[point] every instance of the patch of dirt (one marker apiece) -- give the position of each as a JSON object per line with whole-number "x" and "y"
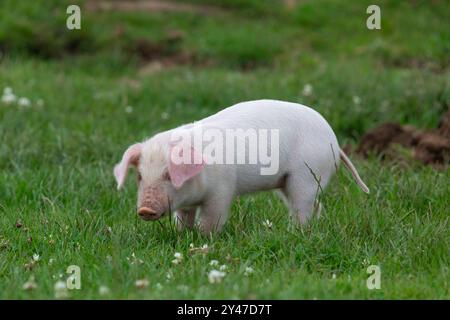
{"x": 149, "y": 50}
{"x": 163, "y": 54}
{"x": 290, "y": 4}
{"x": 151, "y": 6}
{"x": 430, "y": 147}
{"x": 433, "y": 149}
{"x": 416, "y": 63}
{"x": 444, "y": 125}
{"x": 181, "y": 58}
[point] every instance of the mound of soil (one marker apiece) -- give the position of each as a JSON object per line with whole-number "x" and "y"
{"x": 156, "y": 55}
{"x": 430, "y": 147}
{"x": 444, "y": 125}
{"x": 151, "y": 6}
{"x": 165, "y": 53}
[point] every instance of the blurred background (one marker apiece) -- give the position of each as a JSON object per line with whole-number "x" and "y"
{"x": 186, "y": 59}
{"x": 137, "y": 67}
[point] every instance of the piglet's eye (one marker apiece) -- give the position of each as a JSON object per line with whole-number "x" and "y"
{"x": 139, "y": 177}
{"x": 166, "y": 176}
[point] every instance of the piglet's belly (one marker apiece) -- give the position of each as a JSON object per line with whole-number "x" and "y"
{"x": 251, "y": 180}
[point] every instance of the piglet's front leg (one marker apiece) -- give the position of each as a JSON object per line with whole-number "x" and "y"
{"x": 185, "y": 218}
{"x": 213, "y": 214}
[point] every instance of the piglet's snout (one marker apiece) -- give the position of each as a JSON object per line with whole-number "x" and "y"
{"x": 148, "y": 214}
{"x": 152, "y": 204}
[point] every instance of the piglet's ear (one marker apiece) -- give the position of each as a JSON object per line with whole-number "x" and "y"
{"x": 184, "y": 163}
{"x": 130, "y": 157}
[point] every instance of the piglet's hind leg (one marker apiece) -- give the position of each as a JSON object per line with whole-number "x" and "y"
{"x": 301, "y": 193}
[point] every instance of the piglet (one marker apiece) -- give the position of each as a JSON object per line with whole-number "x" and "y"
{"x": 198, "y": 168}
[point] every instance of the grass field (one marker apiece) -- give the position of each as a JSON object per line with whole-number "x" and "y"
{"x": 92, "y": 92}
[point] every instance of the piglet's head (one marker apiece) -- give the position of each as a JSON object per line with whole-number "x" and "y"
{"x": 163, "y": 175}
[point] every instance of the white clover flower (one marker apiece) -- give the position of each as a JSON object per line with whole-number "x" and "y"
{"x": 356, "y": 100}
{"x": 248, "y": 271}
{"x": 191, "y": 246}
{"x": 103, "y": 291}
{"x": 214, "y": 263}
{"x": 178, "y": 256}
{"x": 334, "y": 276}
{"x": 134, "y": 259}
{"x": 223, "y": 267}
{"x": 159, "y": 286}
{"x": 142, "y": 283}
{"x": 36, "y": 257}
{"x": 129, "y": 109}
{"x": 61, "y": 291}
{"x": 164, "y": 116}
{"x": 267, "y": 224}
{"x": 24, "y": 102}
{"x": 307, "y": 90}
{"x": 8, "y": 98}
{"x": 8, "y": 95}
{"x": 50, "y": 261}
{"x": 169, "y": 275}
{"x": 205, "y": 246}
{"x": 215, "y": 276}
{"x": 30, "y": 284}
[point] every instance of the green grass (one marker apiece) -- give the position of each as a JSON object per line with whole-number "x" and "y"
{"x": 56, "y": 160}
